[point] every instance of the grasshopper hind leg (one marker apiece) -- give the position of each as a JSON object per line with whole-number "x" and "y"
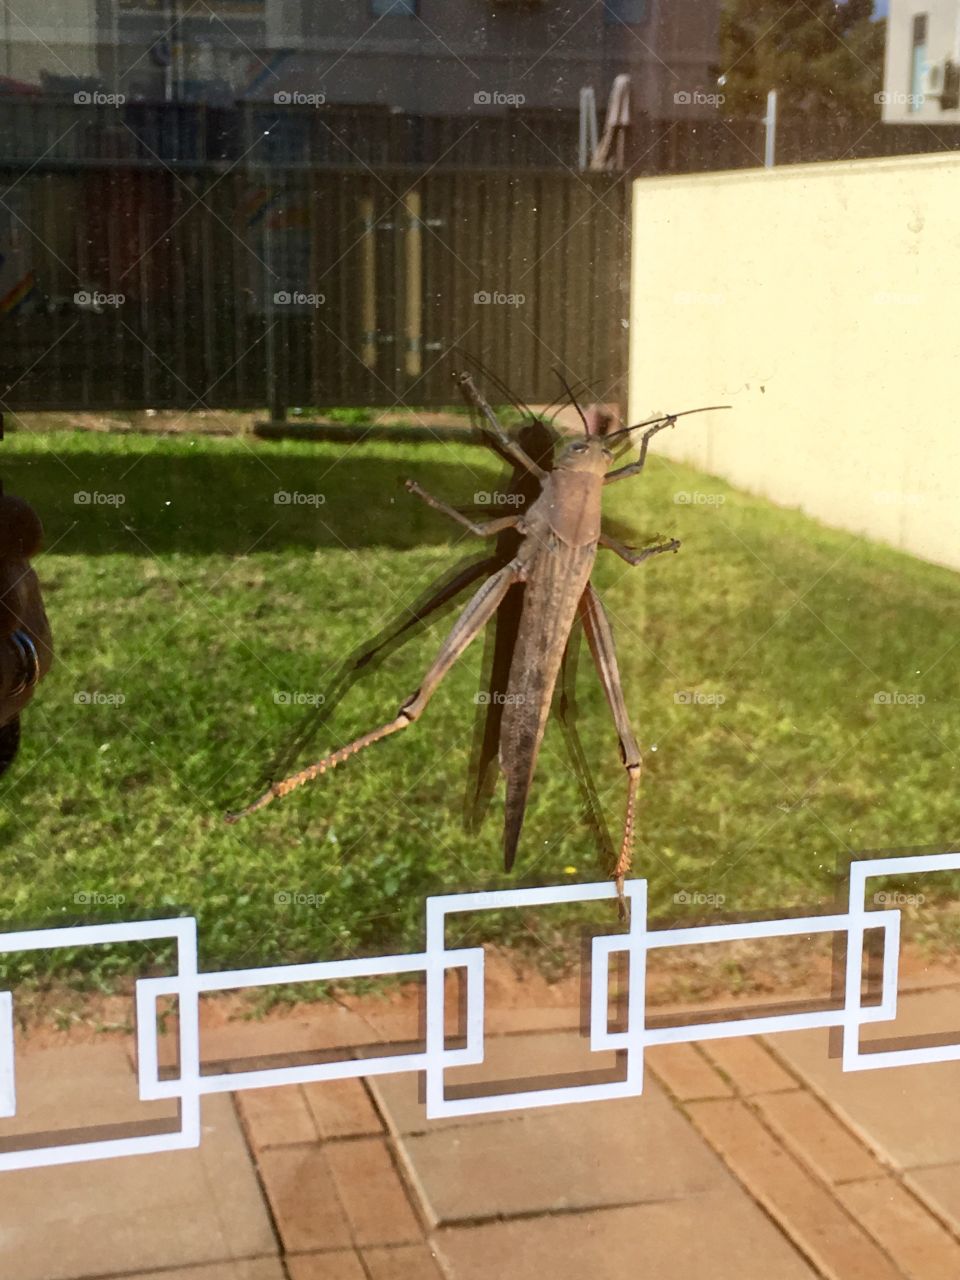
{"x": 480, "y": 608}
{"x": 596, "y": 627}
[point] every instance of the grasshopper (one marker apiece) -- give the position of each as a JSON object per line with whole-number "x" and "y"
{"x": 557, "y": 537}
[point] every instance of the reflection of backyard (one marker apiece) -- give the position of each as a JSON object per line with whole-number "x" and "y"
{"x": 792, "y": 688}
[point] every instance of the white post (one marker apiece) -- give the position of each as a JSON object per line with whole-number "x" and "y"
{"x": 770, "y": 121}
{"x": 588, "y": 126}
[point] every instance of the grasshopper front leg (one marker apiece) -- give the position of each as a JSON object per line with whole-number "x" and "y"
{"x": 483, "y": 605}
{"x": 634, "y": 468}
{"x": 636, "y": 556}
{"x": 479, "y": 528}
{"x": 596, "y": 627}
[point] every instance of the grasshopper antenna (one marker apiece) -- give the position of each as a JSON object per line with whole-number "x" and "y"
{"x": 573, "y": 400}
{"x": 666, "y": 417}
{"x": 583, "y": 390}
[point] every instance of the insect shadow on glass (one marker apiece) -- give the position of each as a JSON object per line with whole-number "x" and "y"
{"x": 557, "y": 539}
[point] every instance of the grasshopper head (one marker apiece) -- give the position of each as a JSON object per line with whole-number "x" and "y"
{"x": 587, "y": 453}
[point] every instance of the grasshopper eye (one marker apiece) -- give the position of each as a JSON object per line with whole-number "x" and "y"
{"x": 578, "y": 448}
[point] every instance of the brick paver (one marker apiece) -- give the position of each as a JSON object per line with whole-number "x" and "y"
{"x": 342, "y": 1109}
{"x": 275, "y": 1117}
{"x": 921, "y": 1247}
{"x": 406, "y": 1262}
{"x": 910, "y": 1116}
{"x": 756, "y": 1160}
{"x": 372, "y": 1193}
{"x": 723, "y": 1236}
{"x": 686, "y": 1072}
{"x": 806, "y": 1210}
{"x": 750, "y": 1067}
{"x": 940, "y": 1189}
{"x": 304, "y": 1200}
{"x": 241, "y": 1269}
{"x": 178, "y": 1209}
{"x": 812, "y": 1132}
{"x": 537, "y": 1058}
{"x": 562, "y": 1159}
{"x": 340, "y": 1264}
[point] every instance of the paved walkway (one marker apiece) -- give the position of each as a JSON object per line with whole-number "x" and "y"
{"x": 743, "y": 1159}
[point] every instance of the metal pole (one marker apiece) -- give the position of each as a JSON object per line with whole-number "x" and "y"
{"x": 368, "y": 283}
{"x": 588, "y": 126}
{"x": 276, "y": 390}
{"x": 275, "y": 387}
{"x": 770, "y": 120}
{"x": 413, "y": 284}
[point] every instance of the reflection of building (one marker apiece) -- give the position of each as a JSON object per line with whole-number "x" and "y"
{"x": 144, "y": 48}
{"x": 420, "y": 57}
{"x": 542, "y": 53}
{"x": 921, "y": 78}
{"x": 178, "y": 49}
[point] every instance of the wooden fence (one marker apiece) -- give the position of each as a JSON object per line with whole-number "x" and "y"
{"x": 181, "y": 255}
{"x": 136, "y": 286}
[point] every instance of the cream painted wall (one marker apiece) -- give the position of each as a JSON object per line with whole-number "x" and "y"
{"x": 822, "y": 302}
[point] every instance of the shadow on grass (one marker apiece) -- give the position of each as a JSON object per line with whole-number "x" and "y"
{"x": 147, "y": 502}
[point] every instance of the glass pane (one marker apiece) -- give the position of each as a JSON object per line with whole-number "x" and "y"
{"x": 478, "y": 578}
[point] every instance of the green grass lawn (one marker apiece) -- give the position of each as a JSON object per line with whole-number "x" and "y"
{"x": 200, "y": 599}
